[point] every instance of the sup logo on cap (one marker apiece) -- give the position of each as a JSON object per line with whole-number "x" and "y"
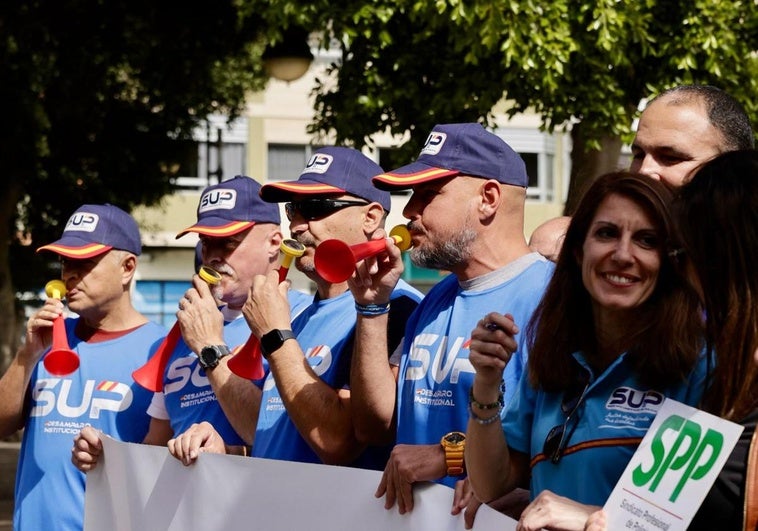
{"x": 318, "y": 163}
{"x": 94, "y": 230}
{"x": 82, "y": 221}
{"x": 220, "y": 198}
{"x": 434, "y": 143}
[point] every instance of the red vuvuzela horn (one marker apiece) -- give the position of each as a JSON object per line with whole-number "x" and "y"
{"x": 150, "y": 375}
{"x": 247, "y": 361}
{"x": 335, "y": 260}
{"x": 60, "y": 360}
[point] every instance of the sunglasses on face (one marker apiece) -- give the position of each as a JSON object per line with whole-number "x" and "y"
{"x": 311, "y": 209}
{"x": 558, "y": 437}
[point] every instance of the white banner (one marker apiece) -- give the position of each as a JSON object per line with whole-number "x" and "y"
{"x": 141, "y": 487}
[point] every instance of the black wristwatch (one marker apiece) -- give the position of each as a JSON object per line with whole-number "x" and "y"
{"x": 211, "y": 355}
{"x": 272, "y": 341}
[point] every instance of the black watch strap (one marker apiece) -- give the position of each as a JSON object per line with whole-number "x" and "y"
{"x": 273, "y": 341}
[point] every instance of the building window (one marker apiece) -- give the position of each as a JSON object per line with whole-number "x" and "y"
{"x": 158, "y": 300}
{"x": 219, "y": 153}
{"x": 538, "y": 151}
{"x": 539, "y": 168}
{"x": 231, "y": 162}
{"x": 287, "y": 161}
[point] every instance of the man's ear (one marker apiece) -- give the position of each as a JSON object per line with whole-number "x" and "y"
{"x": 490, "y": 196}
{"x": 373, "y": 218}
{"x": 129, "y": 267}
{"x": 274, "y": 238}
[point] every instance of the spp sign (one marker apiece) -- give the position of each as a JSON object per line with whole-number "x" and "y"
{"x": 673, "y": 469}
{"x": 689, "y": 457}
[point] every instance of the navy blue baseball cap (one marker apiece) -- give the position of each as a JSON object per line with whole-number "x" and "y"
{"x": 230, "y": 207}
{"x": 332, "y": 171}
{"x": 459, "y": 149}
{"x": 96, "y": 229}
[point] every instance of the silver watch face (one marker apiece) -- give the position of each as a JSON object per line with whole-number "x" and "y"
{"x": 210, "y": 355}
{"x": 207, "y": 356}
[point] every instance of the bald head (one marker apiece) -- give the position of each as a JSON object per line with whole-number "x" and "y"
{"x": 547, "y": 238}
{"x": 724, "y": 113}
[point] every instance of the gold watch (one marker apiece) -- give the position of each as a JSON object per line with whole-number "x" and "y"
{"x": 453, "y": 444}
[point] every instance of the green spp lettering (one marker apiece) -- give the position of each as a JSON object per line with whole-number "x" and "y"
{"x": 685, "y": 454}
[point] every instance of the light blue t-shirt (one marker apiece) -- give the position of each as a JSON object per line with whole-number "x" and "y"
{"x": 100, "y": 393}
{"x": 435, "y": 372}
{"x": 325, "y": 333}
{"x": 616, "y": 411}
{"x": 188, "y": 396}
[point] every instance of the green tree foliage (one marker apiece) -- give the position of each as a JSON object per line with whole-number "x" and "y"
{"x": 101, "y": 96}
{"x": 100, "y": 99}
{"x": 408, "y": 64}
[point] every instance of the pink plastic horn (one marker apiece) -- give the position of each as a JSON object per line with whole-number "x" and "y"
{"x": 60, "y": 360}
{"x": 150, "y": 375}
{"x": 335, "y": 260}
{"x": 247, "y": 361}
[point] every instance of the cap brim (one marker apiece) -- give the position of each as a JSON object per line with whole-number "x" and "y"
{"x": 85, "y": 251}
{"x": 284, "y": 191}
{"x": 223, "y": 229}
{"x": 410, "y": 175}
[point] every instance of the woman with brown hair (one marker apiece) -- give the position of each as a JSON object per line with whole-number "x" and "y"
{"x": 618, "y": 330}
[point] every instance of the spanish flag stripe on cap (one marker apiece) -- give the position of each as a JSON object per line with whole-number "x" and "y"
{"x": 307, "y": 188}
{"x": 432, "y": 173}
{"x": 229, "y": 228}
{"x": 77, "y": 252}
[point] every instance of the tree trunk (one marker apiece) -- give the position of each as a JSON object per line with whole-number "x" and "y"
{"x": 9, "y": 331}
{"x": 588, "y": 164}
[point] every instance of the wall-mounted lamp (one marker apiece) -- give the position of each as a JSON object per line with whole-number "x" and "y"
{"x": 289, "y": 59}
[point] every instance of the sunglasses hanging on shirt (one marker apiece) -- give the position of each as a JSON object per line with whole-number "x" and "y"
{"x": 558, "y": 437}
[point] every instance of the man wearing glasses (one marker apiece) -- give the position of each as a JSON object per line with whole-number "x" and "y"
{"x": 306, "y": 413}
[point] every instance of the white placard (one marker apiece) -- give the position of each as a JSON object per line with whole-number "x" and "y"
{"x": 142, "y": 487}
{"x": 672, "y": 471}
